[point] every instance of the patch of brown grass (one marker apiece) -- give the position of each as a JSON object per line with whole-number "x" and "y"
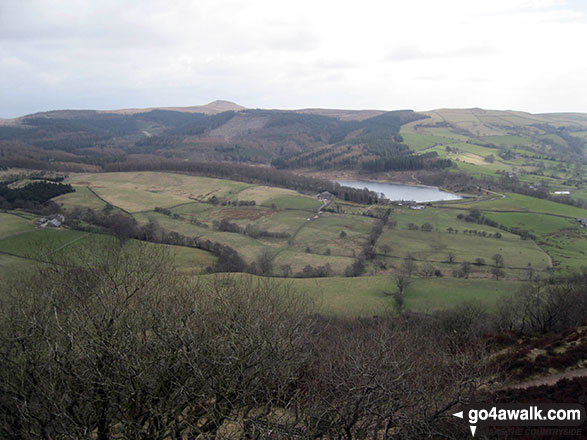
{"x": 245, "y": 213}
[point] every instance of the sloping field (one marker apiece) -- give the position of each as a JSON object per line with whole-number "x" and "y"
{"x": 12, "y": 267}
{"x": 364, "y": 296}
{"x": 423, "y": 141}
{"x": 325, "y": 233}
{"x": 137, "y": 200}
{"x": 288, "y": 221}
{"x": 435, "y": 246}
{"x": 143, "y": 191}
{"x": 138, "y": 191}
{"x": 518, "y": 202}
{"x": 506, "y": 140}
{"x": 38, "y": 243}
{"x": 81, "y": 198}
{"x": 42, "y": 244}
{"x": 536, "y": 223}
{"x": 11, "y": 224}
{"x": 298, "y": 260}
{"x": 279, "y": 197}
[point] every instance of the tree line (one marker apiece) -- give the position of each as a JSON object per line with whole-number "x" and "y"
{"x": 35, "y": 192}
{"x": 109, "y": 341}
{"x": 112, "y": 343}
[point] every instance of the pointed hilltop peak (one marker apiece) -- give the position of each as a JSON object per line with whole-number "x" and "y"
{"x": 211, "y": 108}
{"x": 220, "y": 105}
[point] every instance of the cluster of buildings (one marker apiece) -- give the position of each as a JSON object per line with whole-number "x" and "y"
{"x": 52, "y": 221}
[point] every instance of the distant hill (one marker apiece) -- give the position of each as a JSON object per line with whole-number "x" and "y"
{"x": 561, "y": 135}
{"x": 309, "y": 139}
{"x": 211, "y": 108}
{"x": 479, "y": 122}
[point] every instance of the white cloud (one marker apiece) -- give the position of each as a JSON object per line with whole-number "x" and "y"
{"x": 421, "y": 54}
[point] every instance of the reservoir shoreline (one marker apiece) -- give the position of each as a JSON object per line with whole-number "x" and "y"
{"x": 401, "y": 191}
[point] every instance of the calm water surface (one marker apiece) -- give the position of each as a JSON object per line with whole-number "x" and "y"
{"x": 397, "y": 191}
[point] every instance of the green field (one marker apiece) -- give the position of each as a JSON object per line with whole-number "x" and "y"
{"x": 538, "y": 224}
{"x": 365, "y": 296}
{"x": 506, "y": 140}
{"x": 419, "y": 142}
{"x": 136, "y": 191}
{"x": 324, "y": 233}
{"x": 521, "y": 203}
{"x": 11, "y": 224}
{"x": 435, "y": 247}
{"x": 38, "y": 245}
{"x": 557, "y": 232}
{"x": 81, "y": 198}
{"x": 522, "y": 144}
{"x": 279, "y": 197}
{"x": 294, "y": 202}
{"x": 197, "y": 205}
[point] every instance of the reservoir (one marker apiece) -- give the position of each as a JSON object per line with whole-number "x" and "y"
{"x": 398, "y": 191}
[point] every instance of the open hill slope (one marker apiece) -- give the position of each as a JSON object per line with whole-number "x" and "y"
{"x": 320, "y": 139}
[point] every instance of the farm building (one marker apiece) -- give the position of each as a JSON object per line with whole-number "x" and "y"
{"x": 53, "y": 221}
{"x": 326, "y": 195}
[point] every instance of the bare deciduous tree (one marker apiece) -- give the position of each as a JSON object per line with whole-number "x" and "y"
{"x": 113, "y": 343}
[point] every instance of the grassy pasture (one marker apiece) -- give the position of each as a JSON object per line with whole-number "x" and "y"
{"x": 481, "y": 170}
{"x": 475, "y": 149}
{"x": 12, "y": 267}
{"x": 139, "y": 191}
{"x": 281, "y": 197}
{"x": 440, "y": 219}
{"x": 506, "y": 140}
{"x": 568, "y": 251}
{"x": 41, "y": 244}
{"x": 324, "y": 233}
{"x": 579, "y": 194}
{"x": 11, "y": 224}
{"x": 294, "y": 202}
{"x": 467, "y": 120}
{"x": 136, "y": 200}
{"x": 190, "y": 260}
{"x": 38, "y": 242}
{"x": 363, "y": 296}
{"x": 288, "y": 221}
{"x": 81, "y": 198}
{"x": 474, "y": 159}
{"x": 518, "y": 202}
{"x": 563, "y": 240}
{"x": 171, "y": 224}
{"x": 249, "y": 248}
{"x": 419, "y": 142}
{"x": 536, "y": 223}
{"x": 299, "y": 259}
{"x": 435, "y": 246}
{"x": 200, "y": 211}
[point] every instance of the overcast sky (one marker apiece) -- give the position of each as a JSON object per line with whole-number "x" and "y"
{"x": 421, "y": 54}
